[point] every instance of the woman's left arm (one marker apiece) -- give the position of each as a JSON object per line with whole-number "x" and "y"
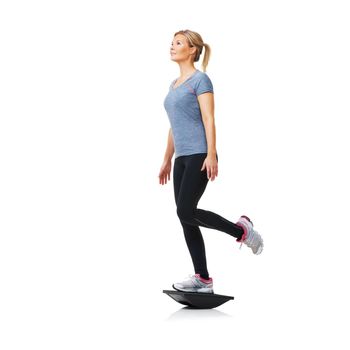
{"x": 206, "y": 104}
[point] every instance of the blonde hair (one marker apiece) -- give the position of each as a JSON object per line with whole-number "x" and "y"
{"x": 194, "y": 39}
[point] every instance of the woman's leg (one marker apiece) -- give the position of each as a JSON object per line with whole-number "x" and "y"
{"x": 193, "y": 235}
{"x": 193, "y": 184}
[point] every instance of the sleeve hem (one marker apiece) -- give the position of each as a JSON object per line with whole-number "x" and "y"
{"x": 202, "y": 92}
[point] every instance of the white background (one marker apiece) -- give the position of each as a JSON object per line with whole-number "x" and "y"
{"x": 89, "y": 238}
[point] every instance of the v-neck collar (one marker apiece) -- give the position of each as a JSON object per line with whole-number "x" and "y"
{"x": 172, "y": 87}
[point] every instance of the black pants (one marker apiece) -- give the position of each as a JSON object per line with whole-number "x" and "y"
{"x": 189, "y": 185}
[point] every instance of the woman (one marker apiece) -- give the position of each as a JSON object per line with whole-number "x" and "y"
{"x": 190, "y": 108}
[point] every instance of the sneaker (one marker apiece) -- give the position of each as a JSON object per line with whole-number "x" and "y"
{"x": 250, "y": 237}
{"x": 195, "y": 283}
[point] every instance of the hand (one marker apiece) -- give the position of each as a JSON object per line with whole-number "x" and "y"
{"x": 211, "y": 164}
{"x": 164, "y": 173}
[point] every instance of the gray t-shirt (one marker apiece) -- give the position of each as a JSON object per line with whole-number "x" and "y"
{"x": 185, "y": 116}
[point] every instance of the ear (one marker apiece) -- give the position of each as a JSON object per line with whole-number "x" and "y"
{"x": 193, "y": 50}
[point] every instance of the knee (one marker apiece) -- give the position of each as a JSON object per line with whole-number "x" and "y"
{"x": 185, "y": 214}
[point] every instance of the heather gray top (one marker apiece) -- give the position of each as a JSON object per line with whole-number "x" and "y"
{"x": 184, "y": 114}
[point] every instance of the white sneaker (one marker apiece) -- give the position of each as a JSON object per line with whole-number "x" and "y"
{"x": 250, "y": 237}
{"x": 195, "y": 283}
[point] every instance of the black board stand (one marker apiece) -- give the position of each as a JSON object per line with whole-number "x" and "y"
{"x": 198, "y": 300}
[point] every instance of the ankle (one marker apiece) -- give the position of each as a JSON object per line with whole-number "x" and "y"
{"x": 205, "y": 278}
{"x": 244, "y": 232}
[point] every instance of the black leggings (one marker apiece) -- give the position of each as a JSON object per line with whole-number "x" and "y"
{"x": 189, "y": 185}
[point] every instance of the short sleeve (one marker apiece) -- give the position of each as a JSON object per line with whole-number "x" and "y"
{"x": 204, "y": 85}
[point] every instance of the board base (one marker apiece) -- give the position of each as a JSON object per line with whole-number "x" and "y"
{"x": 198, "y": 300}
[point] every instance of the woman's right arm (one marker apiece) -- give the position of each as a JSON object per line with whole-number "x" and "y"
{"x": 165, "y": 169}
{"x": 170, "y": 147}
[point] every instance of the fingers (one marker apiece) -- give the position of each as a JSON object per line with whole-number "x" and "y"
{"x": 163, "y": 178}
{"x": 212, "y": 172}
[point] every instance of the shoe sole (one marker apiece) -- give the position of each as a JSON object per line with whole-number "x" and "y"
{"x": 261, "y": 246}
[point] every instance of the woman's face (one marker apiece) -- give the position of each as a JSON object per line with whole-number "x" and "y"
{"x": 180, "y": 50}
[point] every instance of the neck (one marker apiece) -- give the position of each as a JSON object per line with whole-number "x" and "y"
{"x": 186, "y": 69}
